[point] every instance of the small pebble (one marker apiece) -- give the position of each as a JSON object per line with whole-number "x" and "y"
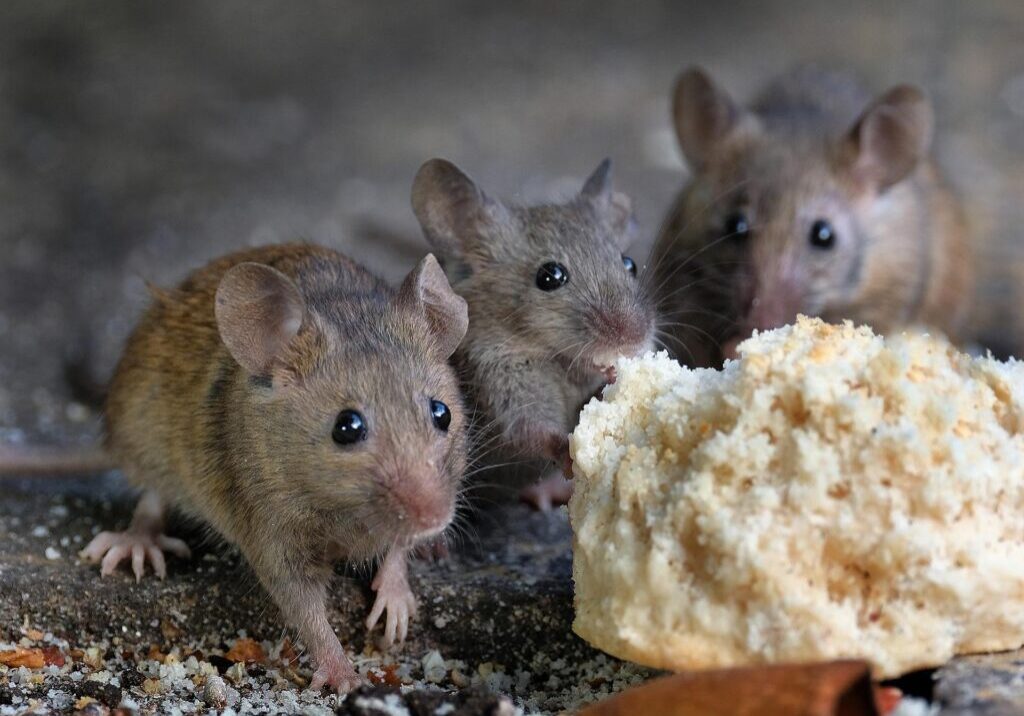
{"x": 215, "y": 692}
{"x": 52, "y": 553}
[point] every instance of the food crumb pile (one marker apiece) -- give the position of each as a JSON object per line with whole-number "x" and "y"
{"x": 41, "y": 673}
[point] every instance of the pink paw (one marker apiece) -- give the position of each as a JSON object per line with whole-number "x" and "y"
{"x": 434, "y": 550}
{"x": 337, "y": 673}
{"x": 549, "y": 492}
{"x": 395, "y": 597}
{"x": 111, "y": 548}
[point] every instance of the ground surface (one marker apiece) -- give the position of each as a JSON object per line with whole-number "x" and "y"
{"x": 496, "y": 615}
{"x": 137, "y": 141}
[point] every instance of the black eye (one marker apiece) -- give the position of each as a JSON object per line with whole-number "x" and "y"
{"x": 737, "y": 226}
{"x": 349, "y": 428}
{"x": 630, "y": 264}
{"x": 441, "y": 414}
{"x": 551, "y": 276}
{"x": 823, "y": 236}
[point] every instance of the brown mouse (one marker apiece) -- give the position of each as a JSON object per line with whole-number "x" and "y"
{"x": 307, "y": 412}
{"x": 553, "y": 301}
{"x": 814, "y": 199}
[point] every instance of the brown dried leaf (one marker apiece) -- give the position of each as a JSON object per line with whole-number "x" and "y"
{"x": 29, "y": 658}
{"x": 34, "y": 634}
{"x": 247, "y": 650}
{"x": 53, "y": 656}
{"x": 388, "y": 676}
{"x": 289, "y": 657}
{"x": 808, "y": 689}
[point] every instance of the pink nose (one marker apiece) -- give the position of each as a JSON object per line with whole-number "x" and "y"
{"x": 622, "y": 328}
{"x": 422, "y": 507}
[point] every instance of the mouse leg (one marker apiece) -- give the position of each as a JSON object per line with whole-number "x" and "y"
{"x": 393, "y": 595}
{"x": 300, "y": 590}
{"x": 550, "y": 491}
{"x": 143, "y": 540}
{"x": 553, "y": 488}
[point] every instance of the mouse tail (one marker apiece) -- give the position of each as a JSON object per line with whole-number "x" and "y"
{"x": 52, "y": 461}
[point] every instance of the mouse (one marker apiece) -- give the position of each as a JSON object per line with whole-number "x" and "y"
{"x": 553, "y": 299}
{"x": 307, "y": 412}
{"x": 814, "y": 199}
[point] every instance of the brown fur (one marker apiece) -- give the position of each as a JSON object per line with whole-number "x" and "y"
{"x": 531, "y": 358}
{"x": 803, "y": 151}
{"x": 252, "y": 454}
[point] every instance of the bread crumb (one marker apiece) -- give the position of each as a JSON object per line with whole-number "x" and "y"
{"x": 830, "y": 494}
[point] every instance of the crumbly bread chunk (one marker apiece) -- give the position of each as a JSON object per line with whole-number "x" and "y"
{"x": 829, "y": 494}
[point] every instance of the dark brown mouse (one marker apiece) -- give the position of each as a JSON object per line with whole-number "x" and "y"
{"x": 815, "y": 199}
{"x": 553, "y": 301}
{"x": 307, "y": 412}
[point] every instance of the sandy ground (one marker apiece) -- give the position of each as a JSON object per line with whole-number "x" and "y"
{"x": 138, "y": 141}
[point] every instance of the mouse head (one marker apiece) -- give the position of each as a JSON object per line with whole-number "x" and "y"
{"x": 352, "y": 408}
{"x": 778, "y": 221}
{"x": 555, "y": 276}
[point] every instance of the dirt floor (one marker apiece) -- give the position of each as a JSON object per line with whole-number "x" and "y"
{"x": 139, "y": 140}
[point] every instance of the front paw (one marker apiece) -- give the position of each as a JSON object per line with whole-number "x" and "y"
{"x": 337, "y": 672}
{"x": 435, "y": 550}
{"x": 394, "y": 597}
{"x": 547, "y": 493}
{"x": 111, "y": 548}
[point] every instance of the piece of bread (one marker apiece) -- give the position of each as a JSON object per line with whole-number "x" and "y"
{"x": 832, "y": 494}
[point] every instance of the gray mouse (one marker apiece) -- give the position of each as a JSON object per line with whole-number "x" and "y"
{"x": 307, "y": 412}
{"x": 553, "y": 301}
{"x": 816, "y": 198}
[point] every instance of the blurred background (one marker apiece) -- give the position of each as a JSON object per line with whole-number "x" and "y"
{"x": 138, "y": 140}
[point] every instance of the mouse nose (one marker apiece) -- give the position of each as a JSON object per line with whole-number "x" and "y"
{"x": 622, "y": 327}
{"x": 422, "y": 508}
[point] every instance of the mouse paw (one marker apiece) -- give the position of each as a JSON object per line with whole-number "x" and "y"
{"x": 395, "y": 597}
{"x": 336, "y": 672}
{"x": 550, "y": 491}
{"x": 112, "y": 548}
{"x": 434, "y": 550}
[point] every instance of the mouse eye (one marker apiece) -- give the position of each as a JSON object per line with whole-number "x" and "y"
{"x": 349, "y": 428}
{"x": 823, "y": 236}
{"x": 629, "y": 263}
{"x": 552, "y": 276}
{"x": 736, "y": 225}
{"x": 441, "y": 414}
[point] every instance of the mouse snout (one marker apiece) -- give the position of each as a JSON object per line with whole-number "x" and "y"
{"x": 423, "y": 507}
{"x": 762, "y": 306}
{"x": 622, "y": 330}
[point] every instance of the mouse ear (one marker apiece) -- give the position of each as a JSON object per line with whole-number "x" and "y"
{"x": 704, "y": 115}
{"x": 426, "y": 289}
{"x": 259, "y": 311}
{"x": 890, "y": 138}
{"x": 612, "y": 206}
{"x": 453, "y": 212}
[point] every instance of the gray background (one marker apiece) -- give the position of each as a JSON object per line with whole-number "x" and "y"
{"x": 138, "y": 140}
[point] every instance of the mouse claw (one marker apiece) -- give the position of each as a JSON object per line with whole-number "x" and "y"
{"x": 112, "y": 548}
